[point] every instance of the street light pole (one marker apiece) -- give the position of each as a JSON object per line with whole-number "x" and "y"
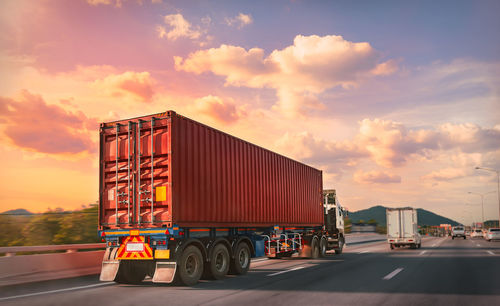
{"x": 482, "y": 201}
{"x": 498, "y": 187}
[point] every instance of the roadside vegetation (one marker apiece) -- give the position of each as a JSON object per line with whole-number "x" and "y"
{"x": 51, "y": 227}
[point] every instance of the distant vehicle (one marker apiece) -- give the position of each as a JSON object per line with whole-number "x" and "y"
{"x": 402, "y": 228}
{"x": 457, "y": 231}
{"x": 476, "y": 233}
{"x": 493, "y": 234}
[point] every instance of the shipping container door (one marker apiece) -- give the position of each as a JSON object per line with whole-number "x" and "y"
{"x": 135, "y": 165}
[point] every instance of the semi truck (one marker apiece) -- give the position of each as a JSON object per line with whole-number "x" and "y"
{"x": 179, "y": 200}
{"x": 402, "y": 227}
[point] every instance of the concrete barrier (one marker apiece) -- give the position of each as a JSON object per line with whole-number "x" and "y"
{"x": 40, "y": 267}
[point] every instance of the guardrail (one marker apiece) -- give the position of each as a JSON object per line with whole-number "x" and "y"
{"x": 69, "y": 248}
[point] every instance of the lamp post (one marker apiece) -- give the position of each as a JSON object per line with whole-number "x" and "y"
{"x": 498, "y": 187}
{"x": 482, "y": 202}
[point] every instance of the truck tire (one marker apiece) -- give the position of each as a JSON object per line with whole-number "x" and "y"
{"x": 218, "y": 265}
{"x": 131, "y": 272}
{"x": 241, "y": 261}
{"x": 452, "y": 237}
{"x": 391, "y": 245}
{"x": 464, "y": 237}
{"x": 341, "y": 246}
{"x": 322, "y": 247}
{"x": 419, "y": 245}
{"x": 314, "y": 247}
{"x": 190, "y": 266}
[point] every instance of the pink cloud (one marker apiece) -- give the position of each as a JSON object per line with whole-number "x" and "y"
{"x": 298, "y": 72}
{"x": 30, "y": 123}
{"x": 447, "y": 174}
{"x": 215, "y": 107}
{"x": 377, "y": 177}
{"x": 139, "y": 84}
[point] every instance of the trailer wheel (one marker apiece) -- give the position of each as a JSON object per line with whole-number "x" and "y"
{"x": 322, "y": 247}
{"x": 241, "y": 262}
{"x": 219, "y": 262}
{"x": 392, "y": 246}
{"x": 314, "y": 247}
{"x": 190, "y": 266}
{"x": 131, "y": 272}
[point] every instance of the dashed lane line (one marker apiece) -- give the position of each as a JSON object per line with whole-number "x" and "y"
{"x": 423, "y": 252}
{"x": 490, "y": 252}
{"x": 392, "y": 274}
{"x": 56, "y": 291}
{"x": 285, "y": 271}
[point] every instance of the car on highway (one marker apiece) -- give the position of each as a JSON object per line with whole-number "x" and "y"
{"x": 493, "y": 234}
{"x": 476, "y": 233}
{"x": 457, "y": 231}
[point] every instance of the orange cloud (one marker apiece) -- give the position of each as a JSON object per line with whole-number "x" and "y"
{"x": 30, "y": 123}
{"x": 138, "y": 84}
{"x": 376, "y": 177}
{"x": 299, "y": 72}
{"x": 215, "y": 107}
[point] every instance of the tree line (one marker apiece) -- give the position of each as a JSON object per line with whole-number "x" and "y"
{"x": 51, "y": 227}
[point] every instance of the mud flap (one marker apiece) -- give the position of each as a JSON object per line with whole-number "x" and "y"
{"x": 164, "y": 272}
{"x": 109, "y": 270}
{"x": 110, "y": 265}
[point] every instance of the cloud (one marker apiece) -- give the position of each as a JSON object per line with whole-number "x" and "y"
{"x": 298, "y": 72}
{"x": 32, "y": 124}
{"x": 138, "y": 84}
{"x": 446, "y": 174}
{"x": 117, "y": 3}
{"x": 334, "y": 156}
{"x": 239, "y": 21}
{"x": 391, "y": 144}
{"x": 218, "y": 109}
{"x": 178, "y": 27}
{"x": 377, "y": 177}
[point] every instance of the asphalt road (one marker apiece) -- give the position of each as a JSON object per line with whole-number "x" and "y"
{"x": 442, "y": 272}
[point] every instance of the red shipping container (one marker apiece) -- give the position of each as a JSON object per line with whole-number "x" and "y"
{"x": 166, "y": 169}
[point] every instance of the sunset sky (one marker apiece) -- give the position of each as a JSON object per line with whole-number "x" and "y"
{"x": 396, "y": 101}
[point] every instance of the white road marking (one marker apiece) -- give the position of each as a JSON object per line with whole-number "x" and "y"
{"x": 423, "y": 252}
{"x": 363, "y": 252}
{"x": 433, "y": 245}
{"x": 392, "y": 274}
{"x": 289, "y": 270}
{"x": 56, "y": 291}
{"x": 490, "y": 252}
{"x": 260, "y": 259}
{"x": 477, "y": 245}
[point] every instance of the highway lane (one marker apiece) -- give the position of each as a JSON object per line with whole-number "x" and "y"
{"x": 442, "y": 272}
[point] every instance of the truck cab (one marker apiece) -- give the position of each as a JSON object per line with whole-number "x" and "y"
{"x": 334, "y": 220}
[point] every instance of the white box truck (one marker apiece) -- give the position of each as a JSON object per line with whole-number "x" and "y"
{"x": 402, "y": 227}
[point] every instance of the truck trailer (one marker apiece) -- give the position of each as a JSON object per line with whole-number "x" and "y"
{"x": 179, "y": 200}
{"x": 402, "y": 227}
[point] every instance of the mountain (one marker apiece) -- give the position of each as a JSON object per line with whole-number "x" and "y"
{"x": 20, "y": 211}
{"x": 377, "y": 213}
